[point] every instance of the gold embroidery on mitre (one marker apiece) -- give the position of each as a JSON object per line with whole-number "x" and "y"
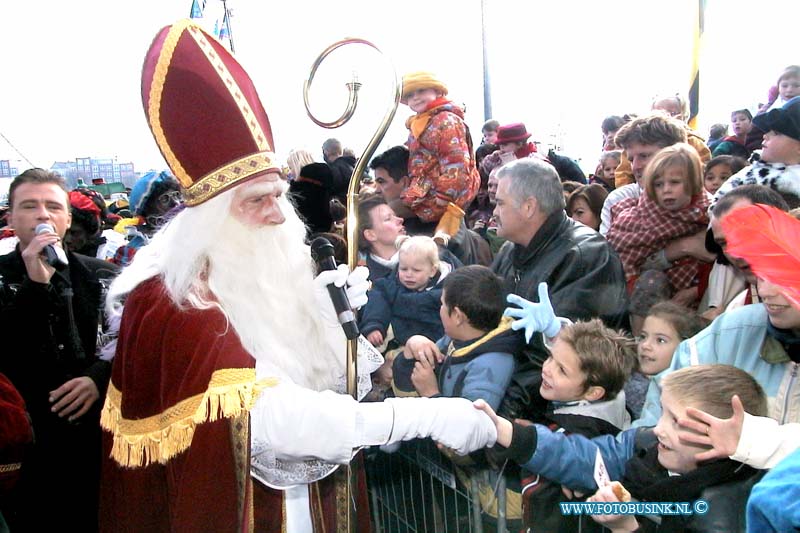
{"x": 217, "y": 180}
{"x": 158, "y": 438}
{"x": 10, "y": 467}
{"x": 154, "y": 107}
{"x": 233, "y": 88}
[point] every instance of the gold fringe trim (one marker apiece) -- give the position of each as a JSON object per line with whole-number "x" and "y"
{"x": 11, "y": 467}
{"x": 159, "y": 438}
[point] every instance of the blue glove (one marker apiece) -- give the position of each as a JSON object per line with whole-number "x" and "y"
{"x": 533, "y": 316}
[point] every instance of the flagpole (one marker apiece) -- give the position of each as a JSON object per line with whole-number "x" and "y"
{"x": 226, "y": 18}
{"x": 694, "y": 81}
{"x": 487, "y": 89}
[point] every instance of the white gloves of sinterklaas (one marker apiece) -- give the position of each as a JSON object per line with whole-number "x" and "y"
{"x": 452, "y": 422}
{"x": 355, "y": 283}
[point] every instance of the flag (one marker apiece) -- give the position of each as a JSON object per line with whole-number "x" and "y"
{"x": 197, "y": 9}
{"x": 224, "y": 31}
{"x": 694, "y": 79}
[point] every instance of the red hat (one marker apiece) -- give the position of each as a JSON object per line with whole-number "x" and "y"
{"x": 78, "y": 200}
{"x": 512, "y": 133}
{"x": 204, "y": 113}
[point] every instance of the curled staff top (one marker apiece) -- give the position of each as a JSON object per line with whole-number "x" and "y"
{"x": 377, "y": 137}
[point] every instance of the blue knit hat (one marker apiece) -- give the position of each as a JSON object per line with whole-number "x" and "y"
{"x": 144, "y": 187}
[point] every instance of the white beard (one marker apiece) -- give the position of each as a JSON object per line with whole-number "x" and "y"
{"x": 263, "y": 281}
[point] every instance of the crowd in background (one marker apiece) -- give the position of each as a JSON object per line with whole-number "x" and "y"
{"x": 646, "y": 312}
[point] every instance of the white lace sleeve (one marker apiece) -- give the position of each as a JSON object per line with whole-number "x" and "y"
{"x": 299, "y": 435}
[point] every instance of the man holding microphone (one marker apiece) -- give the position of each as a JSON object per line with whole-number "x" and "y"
{"x": 50, "y": 305}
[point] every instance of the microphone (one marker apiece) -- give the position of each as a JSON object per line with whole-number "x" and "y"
{"x": 54, "y": 255}
{"x": 322, "y": 252}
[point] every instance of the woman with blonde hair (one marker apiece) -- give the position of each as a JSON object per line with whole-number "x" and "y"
{"x": 298, "y": 158}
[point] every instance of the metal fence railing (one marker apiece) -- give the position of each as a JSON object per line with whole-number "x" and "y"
{"x": 417, "y": 489}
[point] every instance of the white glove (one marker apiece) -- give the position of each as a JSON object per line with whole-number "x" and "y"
{"x": 356, "y": 289}
{"x": 357, "y": 286}
{"x": 453, "y": 422}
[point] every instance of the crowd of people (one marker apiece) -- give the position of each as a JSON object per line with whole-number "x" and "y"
{"x": 183, "y": 369}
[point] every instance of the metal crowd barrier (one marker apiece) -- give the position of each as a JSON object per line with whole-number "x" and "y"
{"x": 418, "y": 489}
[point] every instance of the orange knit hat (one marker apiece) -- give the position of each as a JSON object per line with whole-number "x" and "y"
{"x": 414, "y": 81}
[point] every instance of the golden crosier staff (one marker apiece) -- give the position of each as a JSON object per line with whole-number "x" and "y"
{"x": 351, "y": 224}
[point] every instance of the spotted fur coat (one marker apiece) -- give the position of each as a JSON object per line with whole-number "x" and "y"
{"x": 784, "y": 179}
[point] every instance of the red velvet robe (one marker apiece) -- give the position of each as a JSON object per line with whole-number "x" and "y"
{"x": 177, "y": 417}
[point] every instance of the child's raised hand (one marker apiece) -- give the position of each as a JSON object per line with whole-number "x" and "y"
{"x": 505, "y": 429}
{"x": 375, "y": 338}
{"x": 424, "y": 379}
{"x": 420, "y": 347}
{"x": 721, "y": 435}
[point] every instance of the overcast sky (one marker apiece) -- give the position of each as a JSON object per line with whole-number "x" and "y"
{"x": 71, "y": 70}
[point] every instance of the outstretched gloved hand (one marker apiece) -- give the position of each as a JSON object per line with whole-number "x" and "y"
{"x": 453, "y": 422}
{"x": 533, "y": 316}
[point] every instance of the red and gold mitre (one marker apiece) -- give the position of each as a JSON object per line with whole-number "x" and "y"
{"x": 204, "y": 112}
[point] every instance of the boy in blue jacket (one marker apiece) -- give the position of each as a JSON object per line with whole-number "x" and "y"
{"x": 582, "y": 381}
{"x": 653, "y": 464}
{"x": 475, "y": 358}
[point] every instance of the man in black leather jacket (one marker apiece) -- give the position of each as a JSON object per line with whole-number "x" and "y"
{"x": 50, "y": 320}
{"x": 583, "y": 273}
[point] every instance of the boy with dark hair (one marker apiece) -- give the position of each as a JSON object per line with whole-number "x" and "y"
{"x": 745, "y": 138}
{"x": 475, "y": 358}
{"x": 779, "y": 164}
{"x": 489, "y": 131}
{"x": 610, "y": 126}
